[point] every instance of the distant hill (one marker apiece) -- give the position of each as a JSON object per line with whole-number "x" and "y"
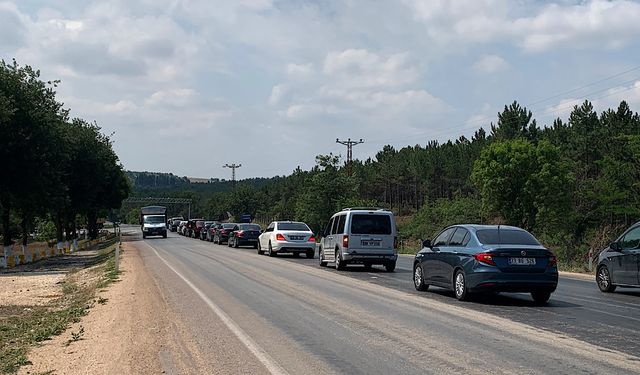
{"x": 145, "y": 183}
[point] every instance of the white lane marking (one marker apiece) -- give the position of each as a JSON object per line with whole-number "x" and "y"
{"x": 272, "y": 366}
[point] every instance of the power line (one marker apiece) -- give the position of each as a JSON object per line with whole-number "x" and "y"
{"x": 233, "y": 167}
{"x": 349, "y": 143}
{"x": 466, "y": 124}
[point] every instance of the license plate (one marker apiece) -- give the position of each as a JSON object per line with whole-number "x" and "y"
{"x": 296, "y": 238}
{"x": 522, "y": 261}
{"x": 371, "y": 243}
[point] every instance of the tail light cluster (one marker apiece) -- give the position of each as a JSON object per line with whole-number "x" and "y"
{"x": 280, "y": 237}
{"x": 553, "y": 261}
{"x": 485, "y": 258}
{"x": 312, "y": 239}
{"x": 345, "y": 241}
{"x": 240, "y": 233}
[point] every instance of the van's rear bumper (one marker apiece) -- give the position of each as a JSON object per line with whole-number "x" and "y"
{"x": 369, "y": 258}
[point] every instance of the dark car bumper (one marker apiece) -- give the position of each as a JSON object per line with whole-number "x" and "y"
{"x": 247, "y": 241}
{"x": 512, "y": 282}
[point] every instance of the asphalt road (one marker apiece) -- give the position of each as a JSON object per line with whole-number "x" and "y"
{"x": 287, "y": 315}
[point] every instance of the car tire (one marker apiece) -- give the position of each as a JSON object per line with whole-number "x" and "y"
{"x": 311, "y": 254}
{"x": 270, "y": 251}
{"x": 216, "y": 241}
{"x": 235, "y": 243}
{"x": 229, "y": 244}
{"x": 540, "y": 297}
{"x": 603, "y": 279}
{"x": 390, "y": 266}
{"x": 259, "y": 248}
{"x": 460, "y": 288}
{"x": 296, "y": 254}
{"x": 418, "y": 278}
{"x": 321, "y": 260}
{"x": 164, "y": 235}
{"x": 339, "y": 262}
{"x": 144, "y": 236}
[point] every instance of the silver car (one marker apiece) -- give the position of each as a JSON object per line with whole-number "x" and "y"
{"x": 287, "y": 237}
{"x": 360, "y": 235}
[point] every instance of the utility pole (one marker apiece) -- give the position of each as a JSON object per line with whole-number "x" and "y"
{"x": 233, "y": 172}
{"x": 349, "y": 143}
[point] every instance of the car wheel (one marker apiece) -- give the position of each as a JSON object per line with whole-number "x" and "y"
{"x": 418, "y": 278}
{"x": 460, "y": 286}
{"x": 270, "y": 251}
{"x": 216, "y": 240}
{"x": 311, "y": 254}
{"x": 229, "y": 244}
{"x": 540, "y": 297}
{"x": 390, "y": 267}
{"x": 235, "y": 242}
{"x": 321, "y": 260}
{"x": 144, "y": 236}
{"x": 603, "y": 279}
{"x": 296, "y": 254}
{"x": 339, "y": 261}
{"x": 260, "y": 252}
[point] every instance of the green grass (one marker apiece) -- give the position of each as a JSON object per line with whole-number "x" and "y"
{"x": 22, "y": 327}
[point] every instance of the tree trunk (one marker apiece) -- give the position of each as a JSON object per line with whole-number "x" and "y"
{"x": 25, "y": 230}
{"x": 59, "y": 227}
{"x": 6, "y": 222}
{"x": 92, "y": 224}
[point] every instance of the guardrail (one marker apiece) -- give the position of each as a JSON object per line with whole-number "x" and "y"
{"x": 19, "y": 254}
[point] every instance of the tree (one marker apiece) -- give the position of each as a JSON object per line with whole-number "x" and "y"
{"x": 514, "y": 122}
{"x": 527, "y": 185}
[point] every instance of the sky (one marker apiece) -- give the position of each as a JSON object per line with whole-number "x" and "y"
{"x": 186, "y": 86}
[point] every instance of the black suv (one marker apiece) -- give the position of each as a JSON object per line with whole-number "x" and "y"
{"x": 619, "y": 264}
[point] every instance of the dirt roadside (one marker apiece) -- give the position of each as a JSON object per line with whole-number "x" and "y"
{"x": 124, "y": 333}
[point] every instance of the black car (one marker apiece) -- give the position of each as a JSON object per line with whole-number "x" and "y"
{"x": 222, "y": 233}
{"x": 205, "y": 230}
{"x": 245, "y": 235}
{"x": 174, "y": 223}
{"x": 619, "y": 264}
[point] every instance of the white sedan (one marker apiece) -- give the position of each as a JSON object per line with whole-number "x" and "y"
{"x": 287, "y": 237}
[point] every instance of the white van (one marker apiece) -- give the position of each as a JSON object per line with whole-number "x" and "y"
{"x": 360, "y": 235}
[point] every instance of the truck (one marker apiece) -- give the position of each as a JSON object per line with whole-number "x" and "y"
{"x": 153, "y": 221}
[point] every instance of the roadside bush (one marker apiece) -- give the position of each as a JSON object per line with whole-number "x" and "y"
{"x": 431, "y": 218}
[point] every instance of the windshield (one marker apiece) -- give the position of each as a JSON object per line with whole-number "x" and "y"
{"x": 293, "y": 226}
{"x": 228, "y": 226}
{"x": 250, "y": 227}
{"x": 506, "y": 237}
{"x": 371, "y": 224}
{"x": 154, "y": 219}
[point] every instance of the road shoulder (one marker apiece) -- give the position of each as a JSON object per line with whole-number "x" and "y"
{"x": 123, "y": 333}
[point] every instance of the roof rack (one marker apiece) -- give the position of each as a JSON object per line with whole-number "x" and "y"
{"x": 364, "y": 209}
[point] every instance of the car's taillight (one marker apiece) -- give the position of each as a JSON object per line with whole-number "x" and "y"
{"x": 395, "y": 242}
{"x": 240, "y": 233}
{"x": 345, "y": 241}
{"x": 553, "y": 261}
{"x": 485, "y": 258}
{"x": 222, "y": 231}
{"x": 312, "y": 239}
{"x": 280, "y": 237}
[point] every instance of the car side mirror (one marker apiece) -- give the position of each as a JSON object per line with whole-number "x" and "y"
{"x": 426, "y": 243}
{"x": 615, "y": 246}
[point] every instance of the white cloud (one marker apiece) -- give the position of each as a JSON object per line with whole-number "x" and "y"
{"x": 490, "y": 64}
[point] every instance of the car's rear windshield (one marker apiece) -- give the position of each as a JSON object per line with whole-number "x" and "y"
{"x": 228, "y": 226}
{"x": 154, "y": 219}
{"x": 505, "y": 237}
{"x": 371, "y": 224}
{"x": 249, "y": 227}
{"x": 177, "y": 222}
{"x": 293, "y": 226}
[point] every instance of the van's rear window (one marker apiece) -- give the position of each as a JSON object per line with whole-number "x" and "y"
{"x": 505, "y": 237}
{"x": 371, "y": 224}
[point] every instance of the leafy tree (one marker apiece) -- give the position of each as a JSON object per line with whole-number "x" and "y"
{"x": 525, "y": 184}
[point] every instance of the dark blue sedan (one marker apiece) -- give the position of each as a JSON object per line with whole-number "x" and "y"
{"x": 486, "y": 258}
